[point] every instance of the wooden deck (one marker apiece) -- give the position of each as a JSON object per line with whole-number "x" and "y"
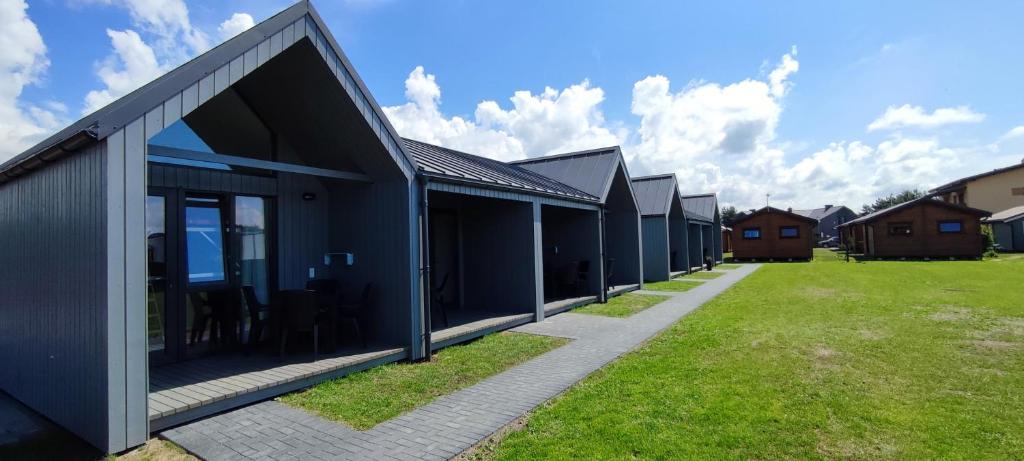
{"x": 197, "y": 388}
{"x": 562, "y": 305}
{"x": 467, "y": 330}
{"x": 614, "y": 291}
{"x": 190, "y": 390}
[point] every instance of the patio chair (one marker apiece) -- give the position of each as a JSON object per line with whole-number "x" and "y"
{"x": 583, "y": 276}
{"x": 300, "y": 314}
{"x": 353, "y": 311}
{"x": 437, "y": 298}
{"x": 610, "y": 269}
{"x": 201, "y": 318}
{"x": 258, "y": 314}
{"x": 572, "y": 276}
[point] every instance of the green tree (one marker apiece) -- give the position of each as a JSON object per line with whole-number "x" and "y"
{"x": 892, "y": 200}
{"x": 728, "y": 215}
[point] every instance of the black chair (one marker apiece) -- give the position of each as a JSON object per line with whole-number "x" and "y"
{"x": 300, "y": 313}
{"x": 584, "y": 276}
{"x": 437, "y": 298}
{"x": 200, "y": 317}
{"x": 610, "y": 269}
{"x": 258, "y": 315}
{"x": 353, "y": 311}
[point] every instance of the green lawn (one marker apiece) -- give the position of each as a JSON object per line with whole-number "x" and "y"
{"x": 672, "y": 285}
{"x": 702, "y": 275}
{"x": 728, "y": 267}
{"x": 623, "y": 305}
{"x": 364, "y": 399}
{"x": 819, "y": 360}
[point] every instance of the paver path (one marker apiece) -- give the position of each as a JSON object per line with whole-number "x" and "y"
{"x": 453, "y": 423}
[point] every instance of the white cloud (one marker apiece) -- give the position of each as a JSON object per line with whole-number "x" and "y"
{"x": 132, "y": 65}
{"x": 1015, "y": 132}
{"x": 545, "y": 123}
{"x": 161, "y": 38}
{"x": 23, "y": 62}
{"x": 236, "y": 24}
{"x": 715, "y": 137}
{"x": 907, "y": 116}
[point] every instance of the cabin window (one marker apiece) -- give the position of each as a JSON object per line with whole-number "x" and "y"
{"x": 752, "y": 233}
{"x": 789, "y": 232}
{"x": 900, "y": 229}
{"x": 951, "y": 227}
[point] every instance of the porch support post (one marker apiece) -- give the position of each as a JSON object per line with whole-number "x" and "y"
{"x": 538, "y": 262}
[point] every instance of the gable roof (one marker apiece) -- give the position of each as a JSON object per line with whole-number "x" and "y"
{"x": 444, "y": 163}
{"x": 821, "y": 213}
{"x": 654, "y": 194}
{"x": 923, "y": 200}
{"x": 769, "y": 209}
{"x": 953, "y": 185}
{"x": 701, "y": 205}
{"x": 591, "y": 171}
{"x": 206, "y": 75}
{"x": 1008, "y": 214}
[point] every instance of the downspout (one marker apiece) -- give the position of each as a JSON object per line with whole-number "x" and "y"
{"x": 604, "y": 242}
{"x": 425, "y": 267}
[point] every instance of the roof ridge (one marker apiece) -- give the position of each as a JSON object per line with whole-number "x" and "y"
{"x": 653, "y": 177}
{"x": 567, "y": 155}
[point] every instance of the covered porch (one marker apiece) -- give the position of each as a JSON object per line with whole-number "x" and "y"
{"x": 482, "y": 271}
{"x": 280, "y": 239}
{"x": 571, "y": 256}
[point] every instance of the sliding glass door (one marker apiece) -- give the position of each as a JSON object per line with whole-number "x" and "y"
{"x": 202, "y": 249}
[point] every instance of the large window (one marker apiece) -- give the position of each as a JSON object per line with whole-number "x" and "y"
{"x": 900, "y": 229}
{"x": 951, "y": 227}
{"x": 752, "y": 233}
{"x": 789, "y": 232}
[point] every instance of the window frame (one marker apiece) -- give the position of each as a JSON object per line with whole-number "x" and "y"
{"x": 890, "y": 225}
{"x": 796, "y": 228}
{"x": 759, "y": 233}
{"x": 940, "y": 222}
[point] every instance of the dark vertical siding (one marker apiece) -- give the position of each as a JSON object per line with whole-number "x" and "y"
{"x": 497, "y": 246}
{"x": 53, "y": 318}
{"x": 677, "y": 242}
{"x": 695, "y": 244}
{"x": 656, "y": 252}
{"x": 372, "y": 221}
{"x": 577, "y": 235}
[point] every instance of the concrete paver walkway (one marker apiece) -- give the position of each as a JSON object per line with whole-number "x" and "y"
{"x": 453, "y": 423}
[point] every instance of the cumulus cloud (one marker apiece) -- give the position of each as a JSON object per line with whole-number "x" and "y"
{"x": 162, "y": 37}
{"x": 1015, "y": 132}
{"x": 907, "y": 116}
{"x": 23, "y": 62}
{"x": 715, "y": 136}
{"x": 132, "y": 64}
{"x": 536, "y": 124}
{"x": 236, "y": 24}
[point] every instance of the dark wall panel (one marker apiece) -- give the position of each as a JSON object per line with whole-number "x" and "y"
{"x": 497, "y": 256}
{"x": 53, "y": 316}
{"x": 696, "y": 244}
{"x": 677, "y": 243}
{"x": 371, "y": 221}
{"x": 576, "y": 235}
{"x": 656, "y": 253}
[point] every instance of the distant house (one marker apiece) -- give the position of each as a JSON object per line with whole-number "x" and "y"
{"x": 993, "y": 191}
{"x": 829, "y": 219}
{"x": 726, "y": 239}
{"x": 1008, "y": 228}
{"x": 703, "y": 209}
{"x": 771, "y": 233}
{"x": 663, "y": 222}
{"x": 920, "y": 228}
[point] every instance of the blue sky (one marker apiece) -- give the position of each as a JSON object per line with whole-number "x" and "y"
{"x": 684, "y": 88}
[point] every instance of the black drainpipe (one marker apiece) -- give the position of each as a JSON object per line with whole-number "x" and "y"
{"x": 425, "y": 267}
{"x": 604, "y": 250}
